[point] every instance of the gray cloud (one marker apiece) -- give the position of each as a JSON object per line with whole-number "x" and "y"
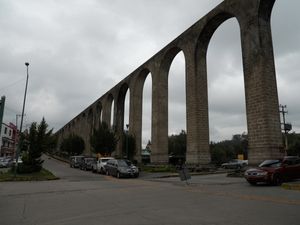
{"x": 80, "y": 49}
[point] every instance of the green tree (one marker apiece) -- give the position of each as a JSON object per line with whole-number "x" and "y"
{"x": 177, "y": 144}
{"x": 177, "y": 147}
{"x": 293, "y": 144}
{"x": 37, "y": 141}
{"x": 72, "y": 145}
{"x": 103, "y": 140}
{"x": 128, "y": 147}
{"x": 226, "y": 150}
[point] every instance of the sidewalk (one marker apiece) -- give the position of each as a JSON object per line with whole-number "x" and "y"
{"x": 293, "y": 185}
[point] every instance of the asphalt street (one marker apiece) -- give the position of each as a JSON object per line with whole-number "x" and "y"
{"x": 81, "y": 197}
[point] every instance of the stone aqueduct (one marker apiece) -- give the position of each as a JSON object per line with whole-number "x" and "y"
{"x": 263, "y": 120}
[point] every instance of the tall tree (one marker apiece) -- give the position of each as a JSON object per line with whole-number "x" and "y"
{"x": 73, "y": 145}
{"x": 37, "y": 141}
{"x": 177, "y": 144}
{"x": 294, "y": 144}
{"x": 226, "y": 150}
{"x": 103, "y": 140}
{"x": 128, "y": 150}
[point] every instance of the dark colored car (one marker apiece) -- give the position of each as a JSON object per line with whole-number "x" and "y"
{"x": 121, "y": 168}
{"x": 75, "y": 161}
{"x": 275, "y": 171}
{"x": 87, "y": 163}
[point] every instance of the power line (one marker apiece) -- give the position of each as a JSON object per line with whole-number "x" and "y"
{"x": 12, "y": 84}
{"x": 11, "y": 110}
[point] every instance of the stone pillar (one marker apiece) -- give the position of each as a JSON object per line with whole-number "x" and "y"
{"x": 107, "y": 112}
{"x": 159, "y": 132}
{"x": 197, "y": 109}
{"x": 262, "y": 107}
{"x": 97, "y": 116}
{"x": 135, "y": 117}
{"x": 119, "y": 124}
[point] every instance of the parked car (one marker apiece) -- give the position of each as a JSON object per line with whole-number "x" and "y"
{"x": 121, "y": 168}
{"x": 275, "y": 171}
{"x": 98, "y": 166}
{"x": 75, "y": 161}
{"x": 235, "y": 164}
{"x": 86, "y": 163}
{"x": 5, "y": 162}
{"x": 19, "y": 161}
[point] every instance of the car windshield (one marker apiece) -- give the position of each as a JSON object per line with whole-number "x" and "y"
{"x": 104, "y": 160}
{"x": 123, "y": 163}
{"x": 270, "y": 163}
{"x": 233, "y": 161}
{"x": 89, "y": 159}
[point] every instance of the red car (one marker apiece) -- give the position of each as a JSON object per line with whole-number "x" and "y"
{"x": 275, "y": 171}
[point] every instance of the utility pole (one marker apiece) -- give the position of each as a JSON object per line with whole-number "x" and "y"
{"x": 22, "y": 116}
{"x": 17, "y": 117}
{"x": 2, "y": 104}
{"x": 286, "y": 126}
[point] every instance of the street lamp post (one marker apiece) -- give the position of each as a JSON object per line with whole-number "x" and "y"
{"x": 22, "y": 116}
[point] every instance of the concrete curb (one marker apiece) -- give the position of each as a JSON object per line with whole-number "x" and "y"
{"x": 57, "y": 158}
{"x": 192, "y": 174}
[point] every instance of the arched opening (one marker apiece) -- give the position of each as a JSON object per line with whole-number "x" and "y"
{"x": 126, "y": 110}
{"x": 146, "y": 118}
{"x": 177, "y": 109}
{"x": 112, "y": 108}
{"x": 226, "y": 92}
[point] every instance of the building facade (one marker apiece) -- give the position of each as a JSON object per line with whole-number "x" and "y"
{"x": 8, "y": 139}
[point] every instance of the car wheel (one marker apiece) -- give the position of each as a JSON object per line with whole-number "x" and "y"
{"x": 276, "y": 180}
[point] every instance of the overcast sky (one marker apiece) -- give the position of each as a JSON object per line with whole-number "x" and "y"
{"x": 79, "y": 49}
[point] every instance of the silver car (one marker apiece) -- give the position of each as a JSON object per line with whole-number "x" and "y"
{"x": 235, "y": 164}
{"x": 121, "y": 168}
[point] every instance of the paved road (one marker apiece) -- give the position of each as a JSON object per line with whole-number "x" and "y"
{"x": 84, "y": 198}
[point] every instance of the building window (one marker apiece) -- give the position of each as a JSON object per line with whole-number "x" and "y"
{"x": 9, "y": 132}
{"x": 5, "y": 130}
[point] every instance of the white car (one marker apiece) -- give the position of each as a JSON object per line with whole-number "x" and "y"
{"x": 99, "y": 165}
{"x": 235, "y": 164}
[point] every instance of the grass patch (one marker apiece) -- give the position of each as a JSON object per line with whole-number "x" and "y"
{"x": 158, "y": 169}
{"x": 291, "y": 186}
{"x": 37, "y": 176}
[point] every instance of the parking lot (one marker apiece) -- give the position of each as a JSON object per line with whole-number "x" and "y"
{"x": 81, "y": 197}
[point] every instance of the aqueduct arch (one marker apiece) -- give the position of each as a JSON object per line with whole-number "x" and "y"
{"x": 263, "y": 120}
